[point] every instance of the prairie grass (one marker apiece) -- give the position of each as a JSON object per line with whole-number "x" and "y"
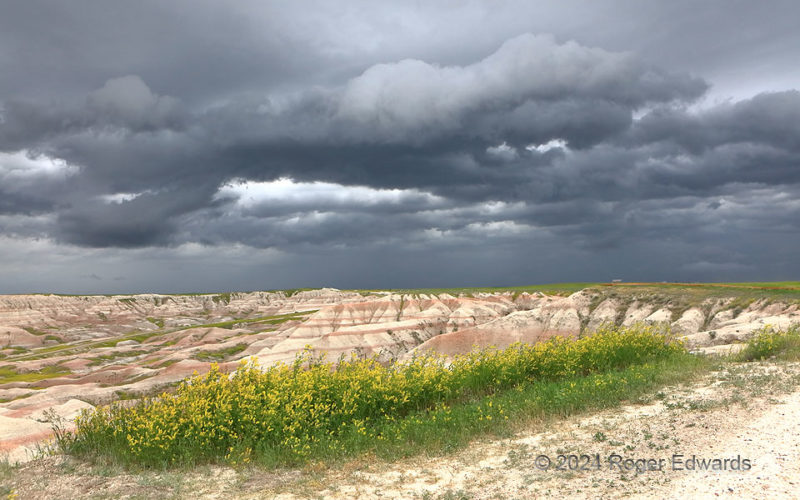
{"x": 768, "y": 342}
{"x": 552, "y": 289}
{"x": 317, "y": 410}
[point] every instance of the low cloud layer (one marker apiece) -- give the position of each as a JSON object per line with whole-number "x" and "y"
{"x": 540, "y": 158}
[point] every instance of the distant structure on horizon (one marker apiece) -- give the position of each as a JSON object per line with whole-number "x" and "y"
{"x": 616, "y": 281}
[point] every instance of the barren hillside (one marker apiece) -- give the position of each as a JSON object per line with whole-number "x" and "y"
{"x": 62, "y": 354}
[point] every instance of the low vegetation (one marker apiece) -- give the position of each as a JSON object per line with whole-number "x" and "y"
{"x": 317, "y": 410}
{"x": 34, "y": 331}
{"x": 159, "y": 322}
{"x": 10, "y": 374}
{"x": 138, "y": 337}
{"x": 104, "y": 358}
{"x": 680, "y": 294}
{"x": 219, "y": 354}
{"x": 266, "y": 320}
{"x": 224, "y": 298}
{"x": 768, "y": 343}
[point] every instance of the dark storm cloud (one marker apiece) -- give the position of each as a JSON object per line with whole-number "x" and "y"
{"x": 199, "y": 49}
{"x": 406, "y": 100}
{"x": 125, "y": 103}
{"x": 302, "y": 126}
{"x": 32, "y": 184}
{"x": 768, "y": 118}
{"x": 408, "y": 124}
{"x": 148, "y": 218}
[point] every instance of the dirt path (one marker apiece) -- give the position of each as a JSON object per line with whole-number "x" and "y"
{"x": 771, "y": 441}
{"x": 750, "y": 413}
{"x": 745, "y": 411}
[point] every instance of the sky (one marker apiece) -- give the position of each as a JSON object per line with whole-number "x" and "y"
{"x": 197, "y": 146}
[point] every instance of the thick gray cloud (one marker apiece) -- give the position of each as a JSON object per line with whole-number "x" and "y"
{"x": 369, "y": 136}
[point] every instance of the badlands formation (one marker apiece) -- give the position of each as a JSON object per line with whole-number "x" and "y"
{"x": 61, "y": 354}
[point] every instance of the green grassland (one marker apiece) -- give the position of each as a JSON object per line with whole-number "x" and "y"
{"x": 778, "y": 284}
{"x": 550, "y": 289}
{"x": 693, "y": 295}
{"x": 574, "y": 287}
{"x": 687, "y": 293}
{"x": 9, "y": 373}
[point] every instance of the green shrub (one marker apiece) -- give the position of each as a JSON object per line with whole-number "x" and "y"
{"x": 769, "y": 342}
